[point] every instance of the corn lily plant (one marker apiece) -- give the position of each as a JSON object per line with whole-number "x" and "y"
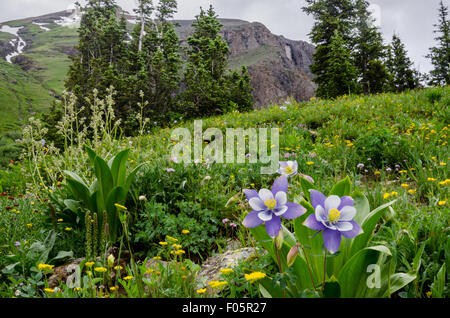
{"x": 340, "y": 262}
{"x": 108, "y": 192}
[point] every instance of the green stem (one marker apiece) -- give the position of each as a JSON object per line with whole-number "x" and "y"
{"x": 324, "y": 269}
{"x": 309, "y": 267}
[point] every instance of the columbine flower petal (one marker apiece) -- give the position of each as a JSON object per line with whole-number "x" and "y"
{"x": 250, "y": 193}
{"x": 347, "y": 213}
{"x": 281, "y": 198}
{"x": 317, "y": 198}
{"x": 312, "y": 223}
{"x": 343, "y": 226}
{"x": 293, "y": 211}
{"x": 332, "y": 240}
{"x": 332, "y": 202}
{"x": 321, "y": 216}
{"x": 265, "y": 215}
{"x": 280, "y": 211}
{"x": 252, "y": 220}
{"x": 273, "y": 226}
{"x": 257, "y": 204}
{"x": 265, "y": 195}
{"x": 355, "y": 231}
{"x": 346, "y": 201}
{"x": 280, "y": 184}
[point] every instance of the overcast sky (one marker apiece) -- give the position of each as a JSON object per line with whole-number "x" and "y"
{"x": 412, "y": 19}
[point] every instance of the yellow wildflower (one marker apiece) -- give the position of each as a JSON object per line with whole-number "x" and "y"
{"x": 185, "y": 231}
{"x": 386, "y": 195}
{"x": 128, "y": 277}
{"x": 89, "y": 264}
{"x": 49, "y": 290}
{"x": 226, "y": 271}
{"x": 120, "y": 206}
{"x": 201, "y": 291}
{"x": 254, "y": 276}
{"x": 45, "y": 266}
{"x": 163, "y": 243}
{"x": 441, "y": 203}
{"x": 100, "y": 269}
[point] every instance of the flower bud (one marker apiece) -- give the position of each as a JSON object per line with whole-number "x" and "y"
{"x": 279, "y": 239}
{"x": 292, "y": 255}
{"x": 111, "y": 260}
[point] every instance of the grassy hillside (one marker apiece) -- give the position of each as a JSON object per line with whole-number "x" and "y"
{"x": 392, "y": 147}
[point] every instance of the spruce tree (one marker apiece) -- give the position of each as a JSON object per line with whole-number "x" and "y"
{"x": 341, "y": 70}
{"x": 102, "y": 53}
{"x": 440, "y": 54}
{"x": 208, "y": 89}
{"x": 368, "y": 51}
{"x": 330, "y": 16}
{"x": 400, "y": 67}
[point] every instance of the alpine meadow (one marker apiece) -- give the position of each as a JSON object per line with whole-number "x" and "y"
{"x": 147, "y": 156}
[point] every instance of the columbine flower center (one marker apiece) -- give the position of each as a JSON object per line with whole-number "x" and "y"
{"x": 289, "y": 170}
{"x": 334, "y": 215}
{"x": 271, "y": 203}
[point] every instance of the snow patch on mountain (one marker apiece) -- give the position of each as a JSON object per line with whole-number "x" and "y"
{"x": 18, "y": 42}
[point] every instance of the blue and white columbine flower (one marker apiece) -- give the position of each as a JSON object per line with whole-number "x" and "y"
{"x": 334, "y": 216}
{"x": 288, "y": 168}
{"x": 269, "y": 205}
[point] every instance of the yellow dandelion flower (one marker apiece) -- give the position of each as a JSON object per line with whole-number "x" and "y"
{"x": 254, "y": 276}
{"x": 442, "y": 164}
{"x": 45, "y": 266}
{"x": 89, "y": 264}
{"x": 157, "y": 257}
{"x": 29, "y": 225}
{"x": 163, "y": 243}
{"x": 185, "y": 232}
{"x": 60, "y": 220}
{"x": 431, "y": 179}
{"x": 100, "y": 269}
{"x": 226, "y": 271}
{"x": 377, "y": 173}
{"x": 386, "y": 195}
{"x": 118, "y": 267}
{"x": 172, "y": 239}
{"x": 128, "y": 278}
{"x": 309, "y": 163}
{"x": 394, "y": 193}
{"x": 404, "y": 185}
{"x": 201, "y": 291}
{"x": 68, "y": 229}
{"x": 412, "y": 191}
{"x": 49, "y": 290}
{"x": 441, "y": 203}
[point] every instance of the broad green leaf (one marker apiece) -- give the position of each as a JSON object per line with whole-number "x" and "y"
{"x": 342, "y": 188}
{"x": 130, "y": 178}
{"x": 105, "y": 182}
{"x": 111, "y": 210}
{"x": 354, "y": 274}
{"x": 368, "y": 226}
{"x": 118, "y": 167}
{"x": 79, "y": 191}
{"x": 437, "y": 288}
{"x": 91, "y": 154}
{"x": 72, "y": 205}
{"x": 397, "y": 282}
{"x": 269, "y": 289}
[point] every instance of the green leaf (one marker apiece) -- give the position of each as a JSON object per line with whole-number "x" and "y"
{"x": 269, "y": 289}
{"x": 118, "y": 167}
{"x": 368, "y": 226}
{"x": 114, "y": 196}
{"x": 353, "y": 275}
{"x": 342, "y": 188}
{"x": 332, "y": 289}
{"x": 62, "y": 255}
{"x": 306, "y": 186}
{"x": 397, "y": 282}
{"x": 437, "y": 288}
{"x": 105, "y": 182}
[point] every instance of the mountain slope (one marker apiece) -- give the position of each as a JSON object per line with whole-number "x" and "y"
{"x": 39, "y": 48}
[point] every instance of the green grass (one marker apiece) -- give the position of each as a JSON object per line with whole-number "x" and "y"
{"x": 21, "y": 95}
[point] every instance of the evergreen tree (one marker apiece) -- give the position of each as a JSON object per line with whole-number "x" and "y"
{"x": 341, "y": 70}
{"x": 440, "y": 54}
{"x": 400, "y": 67}
{"x": 102, "y": 53}
{"x": 207, "y": 83}
{"x": 368, "y": 51}
{"x": 330, "y": 16}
